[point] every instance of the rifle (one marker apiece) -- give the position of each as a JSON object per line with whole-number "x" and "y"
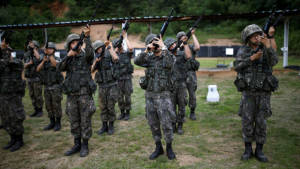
{"x": 189, "y": 33}
{"x": 82, "y": 33}
{"x": 107, "y": 38}
{"x": 124, "y": 28}
{"x": 166, "y": 24}
{"x": 271, "y": 21}
{"x": 46, "y": 38}
{"x": 164, "y": 27}
{"x": 29, "y": 39}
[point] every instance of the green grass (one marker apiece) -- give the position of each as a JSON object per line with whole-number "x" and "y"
{"x": 214, "y": 140}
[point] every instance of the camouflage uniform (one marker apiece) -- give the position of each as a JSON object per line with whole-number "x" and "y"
{"x": 125, "y": 83}
{"x": 159, "y": 107}
{"x": 79, "y": 87}
{"x": 179, "y": 89}
{"x": 256, "y": 82}
{"x": 191, "y": 81}
{"x": 52, "y": 79}
{"x": 12, "y": 89}
{"x": 107, "y": 79}
{"x": 34, "y": 81}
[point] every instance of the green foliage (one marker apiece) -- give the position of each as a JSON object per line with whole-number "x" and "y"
{"x": 34, "y": 11}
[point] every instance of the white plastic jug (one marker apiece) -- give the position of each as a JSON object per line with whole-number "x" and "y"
{"x": 212, "y": 95}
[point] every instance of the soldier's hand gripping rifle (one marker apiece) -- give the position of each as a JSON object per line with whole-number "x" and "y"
{"x": 82, "y": 36}
{"x": 27, "y": 47}
{"x": 124, "y": 28}
{"x": 189, "y": 33}
{"x": 271, "y": 21}
{"x": 6, "y": 35}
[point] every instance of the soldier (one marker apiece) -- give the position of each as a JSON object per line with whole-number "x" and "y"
{"x": 12, "y": 89}
{"x": 254, "y": 64}
{"x": 32, "y": 59}
{"x": 106, "y": 63}
{"x": 125, "y": 79}
{"x": 79, "y": 88}
{"x": 158, "y": 62}
{"x": 192, "y": 66}
{"x": 179, "y": 74}
{"x": 52, "y": 79}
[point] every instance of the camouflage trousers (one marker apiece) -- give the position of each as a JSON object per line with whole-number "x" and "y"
{"x": 125, "y": 89}
{"x": 255, "y": 108}
{"x": 179, "y": 99}
{"x": 80, "y": 109}
{"x": 12, "y": 113}
{"x": 191, "y": 84}
{"x": 160, "y": 112}
{"x": 108, "y": 97}
{"x": 53, "y": 97}
{"x": 36, "y": 94}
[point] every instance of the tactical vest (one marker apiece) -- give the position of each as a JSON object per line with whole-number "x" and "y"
{"x": 108, "y": 71}
{"x": 257, "y": 77}
{"x": 51, "y": 75}
{"x": 11, "y": 78}
{"x": 179, "y": 68}
{"x": 125, "y": 66}
{"x": 157, "y": 75}
{"x": 78, "y": 77}
{"x": 30, "y": 71}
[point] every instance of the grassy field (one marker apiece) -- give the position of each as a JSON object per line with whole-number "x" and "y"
{"x": 214, "y": 140}
{"x": 212, "y": 62}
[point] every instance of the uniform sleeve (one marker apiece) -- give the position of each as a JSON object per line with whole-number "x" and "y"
{"x": 141, "y": 59}
{"x": 17, "y": 64}
{"x": 242, "y": 60}
{"x": 168, "y": 59}
{"x": 272, "y": 56}
{"x": 89, "y": 52}
{"x": 130, "y": 54}
{"x": 27, "y": 56}
{"x": 63, "y": 65}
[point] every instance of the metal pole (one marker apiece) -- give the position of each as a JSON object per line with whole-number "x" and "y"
{"x": 285, "y": 48}
{"x": 1, "y": 33}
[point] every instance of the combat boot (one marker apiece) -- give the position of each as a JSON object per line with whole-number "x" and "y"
{"x": 103, "y": 129}
{"x": 11, "y": 142}
{"x": 179, "y": 128}
{"x": 127, "y": 115}
{"x": 248, "y": 151}
{"x": 111, "y": 128}
{"x": 122, "y": 115}
{"x": 171, "y": 155}
{"x": 84, "y": 151}
{"x": 193, "y": 115}
{"x": 259, "y": 153}
{"x": 39, "y": 112}
{"x": 174, "y": 127}
{"x": 158, "y": 151}
{"x": 18, "y": 144}
{"x": 76, "y": 148}
{"x": 34, "y": 113}
{"x": 57, "y": 126}
{"x": 51, "y": 125}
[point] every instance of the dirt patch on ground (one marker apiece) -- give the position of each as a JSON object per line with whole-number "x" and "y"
{"x": 221, "y": 42}
{"x": 99, "y": 32}
{"x": 185, "y": 160}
